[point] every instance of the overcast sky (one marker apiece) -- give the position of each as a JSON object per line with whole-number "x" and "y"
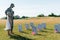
{"x": 31, "y": 8}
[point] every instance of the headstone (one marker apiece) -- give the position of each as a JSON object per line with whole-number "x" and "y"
{"x": 44, "y": 25}
{"x": 39, "y": 27}
{"x": 57, "y": 28}
{"x": 27, "y": 26}
{"x": 20, "y": 28}
{"x": 34, "y": 30}
{"x": 32, "y": 24}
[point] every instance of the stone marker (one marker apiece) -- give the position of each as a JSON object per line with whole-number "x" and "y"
{"x": 43, "y": 25}
{"x": 20, "y": 28}
{"x": 27, "y": 26}
{"x": 57, "y": 27}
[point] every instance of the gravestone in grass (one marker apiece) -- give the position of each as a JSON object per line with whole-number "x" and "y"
{"x": 34, "y": 30}
{"x": 40, "y": 27}
{"x": 27, "y": 26}
{"x": 20, "y": 28}
{"x": 43, "y": 25}
{"x": 57, "y": 27}
{"x": 32, "y": 24}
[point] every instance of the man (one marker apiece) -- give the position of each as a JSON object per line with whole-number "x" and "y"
{"x": 11, "y": 13}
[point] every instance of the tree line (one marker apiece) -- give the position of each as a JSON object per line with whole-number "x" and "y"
{"x": 50, "y": 15}
{"x": 17, "y": 17}
{"x": 41, "y": 15}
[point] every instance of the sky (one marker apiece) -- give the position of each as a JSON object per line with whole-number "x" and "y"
{"x": 31, "y": 8}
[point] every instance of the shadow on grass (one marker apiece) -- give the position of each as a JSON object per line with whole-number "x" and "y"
{"x": 40, "y": 35}
{"x": 30, "y": 29}
{"x": 46, "y": 31}
{"x": 58, "y": 32}
{"x": 24, "y": 32}
{"x": 49, "y": 29}
{"x": 18, "y": 37}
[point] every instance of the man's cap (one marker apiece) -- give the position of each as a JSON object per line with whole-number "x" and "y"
{"x": 12, "y": 4}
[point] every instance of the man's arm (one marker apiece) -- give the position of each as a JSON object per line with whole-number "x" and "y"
{"x": 6, "y": 12}
{"x": 9, "y": 14}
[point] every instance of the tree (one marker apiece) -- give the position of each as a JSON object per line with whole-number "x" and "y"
{"x": 52, "y": 15}
{"x": 23, "y": 17}
{"x": 17, "y": 17}
{"x": 41, "y": 15}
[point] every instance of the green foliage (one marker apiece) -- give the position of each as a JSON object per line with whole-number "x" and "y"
{"x": 16, "y": 17}
{"x": 53, "y": 15}
{"x": 41, "y": 15}
{"x": 23, "y": 17}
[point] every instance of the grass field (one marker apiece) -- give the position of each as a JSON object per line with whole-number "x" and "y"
{"x": 47, "y": 34}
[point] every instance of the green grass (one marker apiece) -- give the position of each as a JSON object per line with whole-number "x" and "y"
{"x": 46, "y": 34}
